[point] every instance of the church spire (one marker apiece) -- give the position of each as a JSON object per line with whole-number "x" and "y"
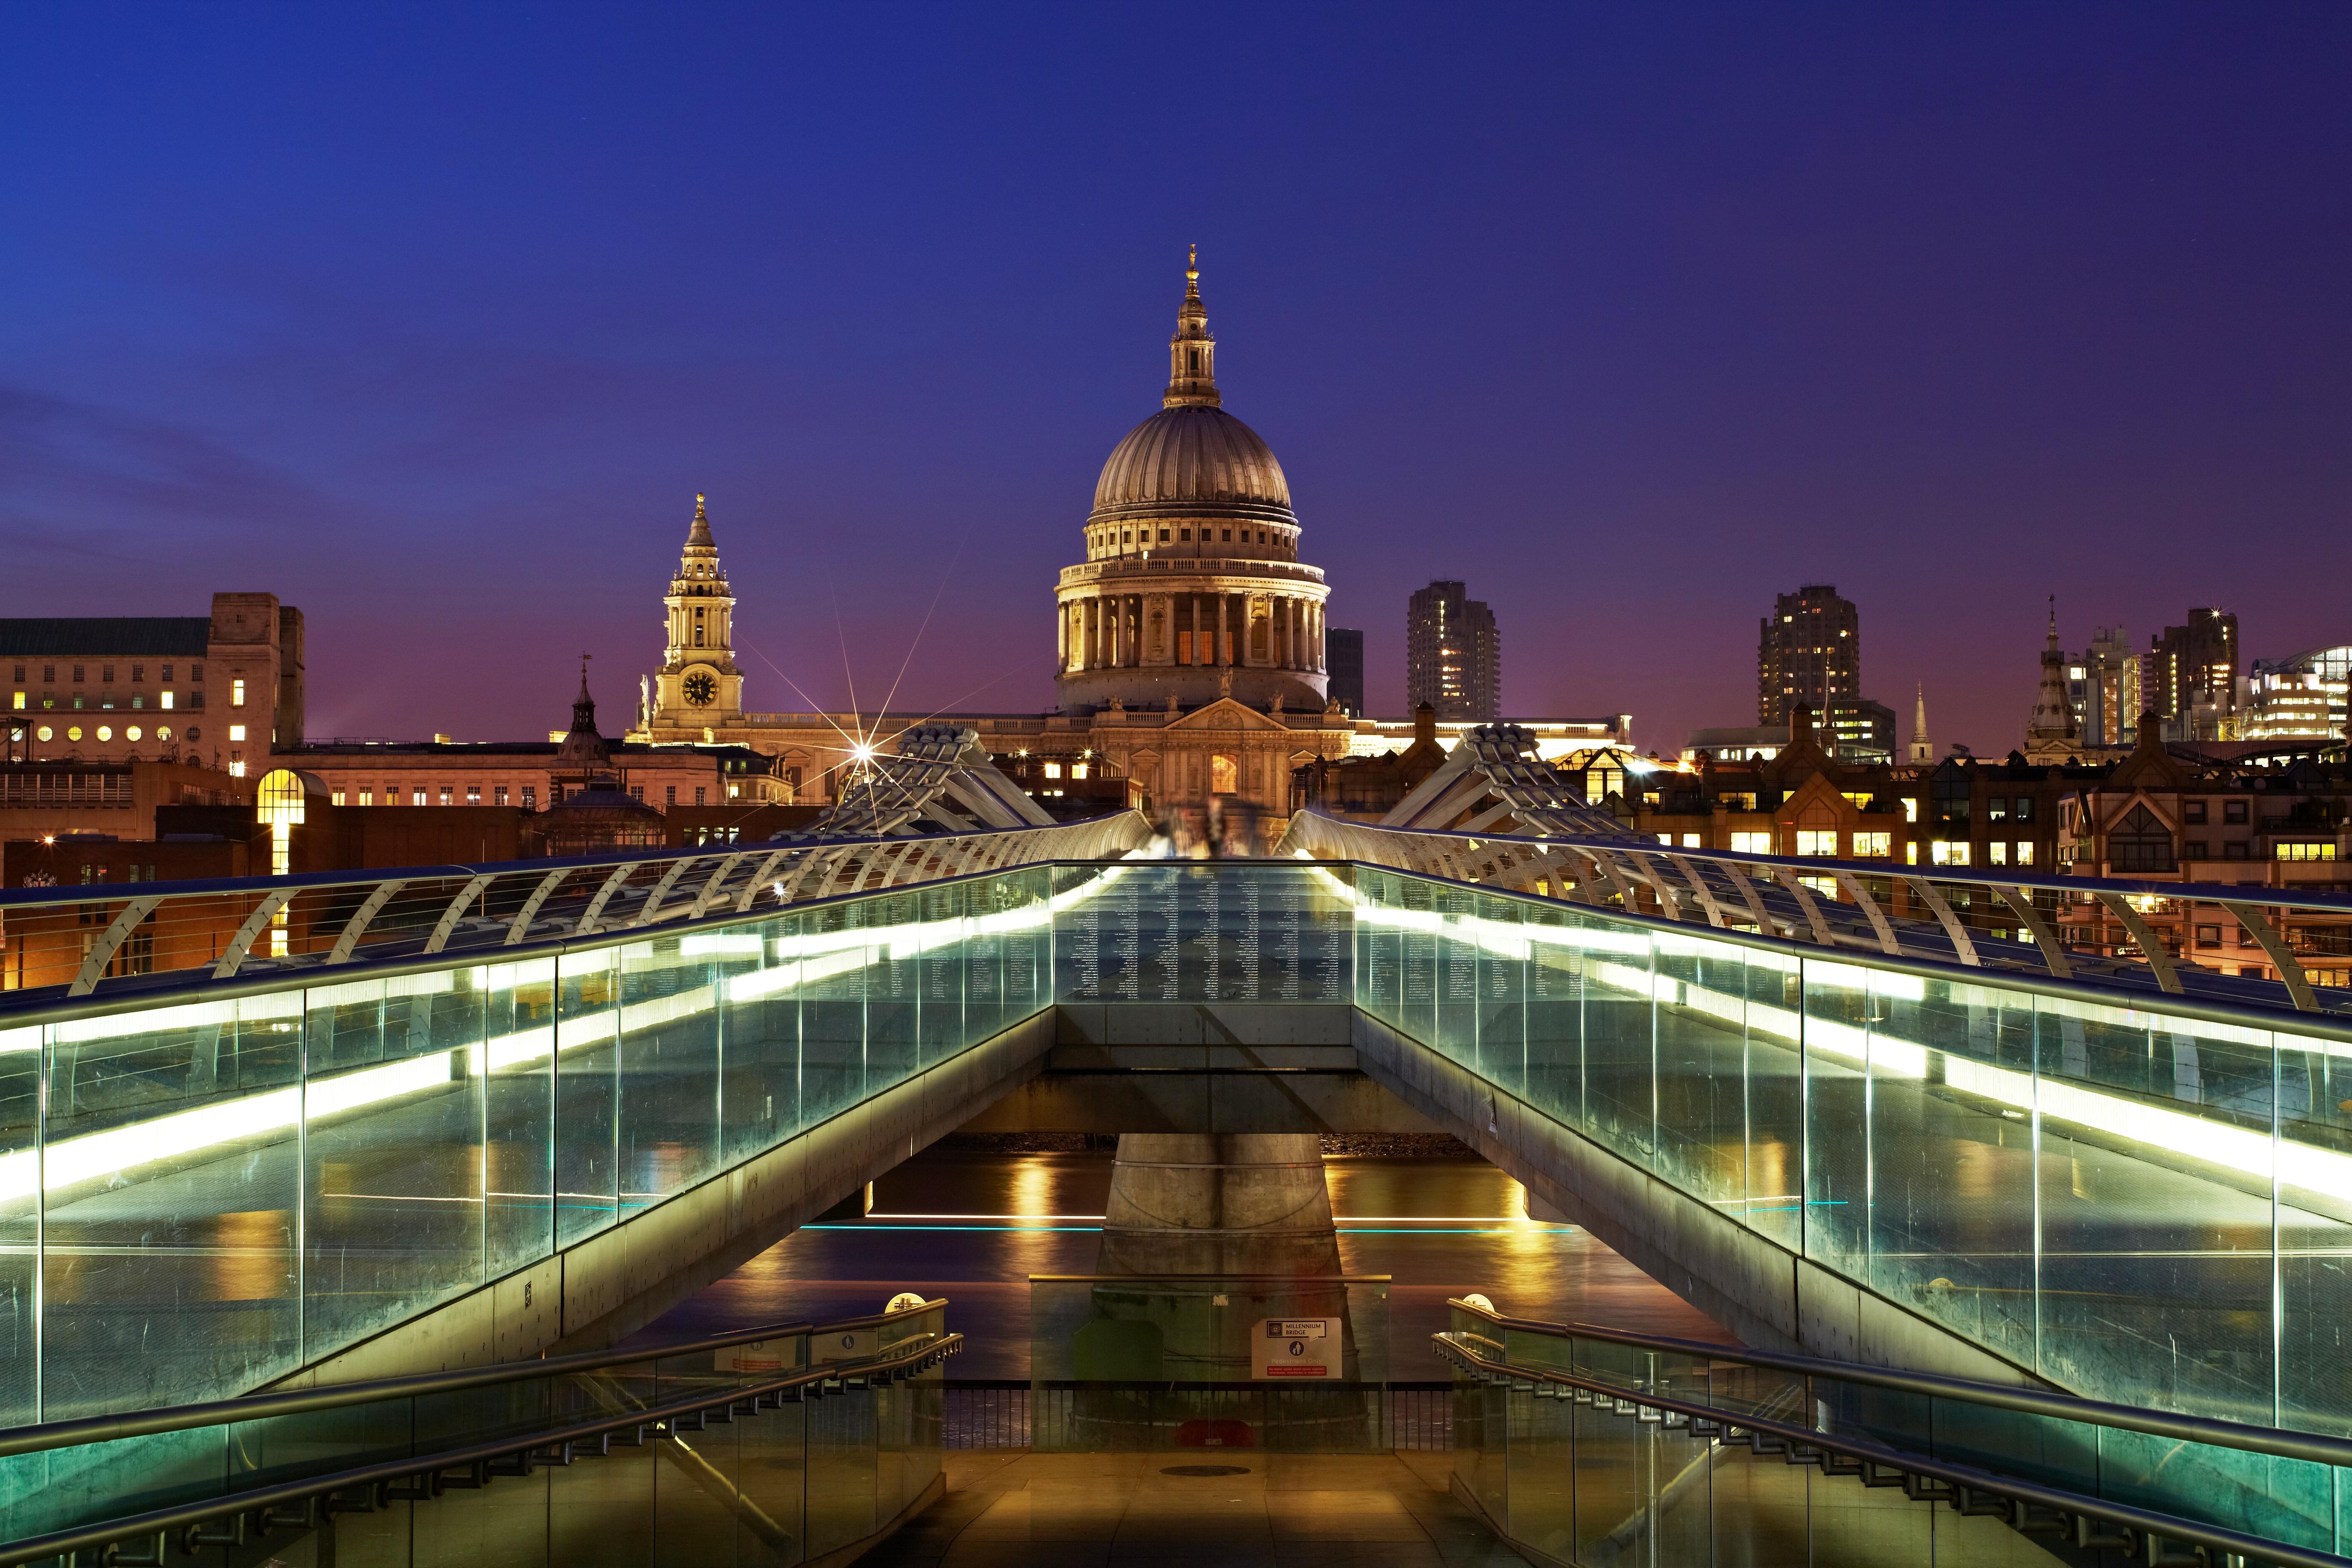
{"x": 1192, "y": 353}
{"x": 700, "y": 534}
{"x": 2050, "y": 732}
{"x": 1923, "y": 750}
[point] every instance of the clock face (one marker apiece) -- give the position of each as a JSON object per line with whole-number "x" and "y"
{"x": 701, "y": 686}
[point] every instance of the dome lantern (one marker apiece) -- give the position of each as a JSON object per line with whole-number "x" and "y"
{"x": 1192, "y": 353}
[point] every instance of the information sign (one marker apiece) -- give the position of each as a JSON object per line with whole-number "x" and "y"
{"x": 1295, "y": 1347}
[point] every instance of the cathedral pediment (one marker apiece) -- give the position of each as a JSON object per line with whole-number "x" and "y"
{"x": 1226, "y": 713}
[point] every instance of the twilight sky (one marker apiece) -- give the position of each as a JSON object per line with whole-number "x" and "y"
{"x": 431, "y": 322}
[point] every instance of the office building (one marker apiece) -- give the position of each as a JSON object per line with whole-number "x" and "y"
{"x": 1453, "y": 654}
{"x": 1808, "y": 655}
{"x": 221, "y": 690}
{"x": 1343, "y": 649}
{"x": 2190, "y": 678}
{"x": 1860, "y": 730}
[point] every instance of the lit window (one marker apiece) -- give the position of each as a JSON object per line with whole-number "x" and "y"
{"x": 132, "y": 733}
{"x": 1053, "y": 769}
{"x": 236, "y": 732}
{"x": 1817, "y": 841}
{"x": 1667, "y": 839}
{"x": 416, "y": 797}
{"x": 1690, "y": 841}
{"x": 335, "y": 798}
{"x": 1943, "y": 854}
{"x": 530, "y": 797}
{"x": 236, "y": 692}
{"x": 2306, "y": 851}
{"x": 498, "y": 795}
{"x": 473, "y": 795}
{"x": 44, "y": 733}
{"x": 1077, "y": 769}
{"x": 1997, "y": 853}
{"x": 1911, "y": 808}
{"x": 236, "y": 770}
{"x": 162, "y": 731}
{"x": 446, "y": 793}
{"x": 1873, "y": 845}
{"x": 367, "y": 797}
{"x": 1224, "y": 775}
{"x": 2024, "y": 856}
{"x": 1751, "y": 842}
{"x": 106, "y": 732}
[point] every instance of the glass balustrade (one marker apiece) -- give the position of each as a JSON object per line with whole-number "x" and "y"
{"x": 200, "y": 1197}
{"x": 2150, "y": 1207}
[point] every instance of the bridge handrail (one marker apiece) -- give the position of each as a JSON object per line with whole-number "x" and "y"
{"x": 1776, "y": 893}
{"x": 2314, "y": 1448}
{"x": 450, "y": 908}
{"x": 158, "y": 1523}
{"x": 51, "y": 1435}
{"x": 1723, "y": 1422}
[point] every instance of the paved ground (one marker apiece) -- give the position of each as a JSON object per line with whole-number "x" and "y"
{"x": 1106, "y": 1511}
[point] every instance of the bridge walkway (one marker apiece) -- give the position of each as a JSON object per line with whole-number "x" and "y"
{"x": 1276, "y": 1511}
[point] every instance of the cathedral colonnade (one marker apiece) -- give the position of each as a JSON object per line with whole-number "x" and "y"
{"x": 1193, "y": 629}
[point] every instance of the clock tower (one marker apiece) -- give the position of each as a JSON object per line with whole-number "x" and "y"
{"x": 699, "y": 683}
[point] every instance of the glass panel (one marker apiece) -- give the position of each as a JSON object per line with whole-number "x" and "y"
{"x": 938, "y": 966}
{"x": 832, "y": 969}
{"x": 1701, "y": 990}
{"x": 1775, "y": 1071}
{"x": 392, "y": 1214}
{"x": 1557, "y": 965}
{"x": 1502, "y": 1025}
{"x": 173, "y": 1175}
{"x": 893, "y": 986}
{"x": 669, "y": 1069}
{"x": 760, "y": 1088}
{"x": 1951, "y": 1136}
{"x": 1837, "y": 1090}
{"x": 2155, "y": 1283}
{"x": 20, "y": 1225}
{"x": 2314, "y": 1234}
{"x": 519, "y": 1113}
{"x": 587, "y": 1110}
{"x": 1620, "y": 1078}
{"x": 1457, "y": 975}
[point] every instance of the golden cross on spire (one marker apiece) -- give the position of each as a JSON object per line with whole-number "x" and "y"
{"x": 1192, "y": 263}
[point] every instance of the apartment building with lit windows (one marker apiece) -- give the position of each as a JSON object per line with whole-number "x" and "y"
{"x": 1453, "y": 654}
{"x": 1807, "y": 654}
{"x": 222, "y": 691}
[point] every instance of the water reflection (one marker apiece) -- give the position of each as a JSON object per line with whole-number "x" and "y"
{"x": 975, "y": 1226}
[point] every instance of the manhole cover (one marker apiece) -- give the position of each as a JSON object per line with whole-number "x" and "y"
{"x": 1206, "y": 1470}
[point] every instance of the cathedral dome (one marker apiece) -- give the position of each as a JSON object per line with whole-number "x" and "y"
{"x": 1189, "y": 455}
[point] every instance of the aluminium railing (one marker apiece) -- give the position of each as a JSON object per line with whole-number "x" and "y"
{"x": 64, "y": 942}
{"x": 585, "y": 1406}
{"x": 1939, "y": 913}
{"x": 2038, "y": 1461}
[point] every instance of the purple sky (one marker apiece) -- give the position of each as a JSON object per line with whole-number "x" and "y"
{"x": 434, "y": 322}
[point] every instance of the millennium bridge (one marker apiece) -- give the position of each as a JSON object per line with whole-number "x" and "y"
{"x": 335, "y": 1206}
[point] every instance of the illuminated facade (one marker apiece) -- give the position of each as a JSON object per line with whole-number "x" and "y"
{"x": 2189, "y": 681}
{"x": 699, "y": 684}
{"x": 1807, "y": 654}
{"x": 224, "y": 690}
{"x": 1453, "y": 654}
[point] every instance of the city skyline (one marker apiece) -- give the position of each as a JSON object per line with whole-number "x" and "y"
{"x": 389, "y": 377}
